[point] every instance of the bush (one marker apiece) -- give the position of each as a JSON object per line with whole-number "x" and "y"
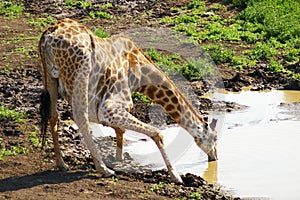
{"x": 263, "y": 51}
{"x": 10, "y": 9}
{"x": 280, "y": 18}
{"x": 219, "y": 53}
{"x": 276, "y": 66}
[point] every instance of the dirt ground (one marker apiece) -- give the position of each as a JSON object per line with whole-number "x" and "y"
{"x": 31, "y": 175}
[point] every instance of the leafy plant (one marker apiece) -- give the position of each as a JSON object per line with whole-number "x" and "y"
{"x": 13, "y": 150}
{"x": 78, "y": 3}
{"x": 195, "y": 195}
{"x": 101, "y": 33}
{"x": 241, "y": 61}
{"x": 263, "y": 51}
{"x": 42, "y": 22}
{"x": 276, "y": 66}
{"x": 34, "y": 138}
{"x": 107, "y": 6}
{"x": 140, "y": 97}
{"x": 11, "y": 114}
{"x": 219, "y": 53}
{"x": 100, "y": 14}
{"x": 9, "y": 9}
{"x": 279, "y": 18}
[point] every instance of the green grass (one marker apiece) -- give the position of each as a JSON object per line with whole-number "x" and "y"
{"x": 269, "y": 30}
{"x": 9, "y": 9}
{"x": 280, "y": 18}
{"x": 219, "y": 53}
{"x": 11, "y": 114}
{"x": 100, "y": 14}
{"x": 78, "y": 4}
{"x": 172, "y": 64}
{"x": 11, "y": 151}
{"x": 100, "y": 32}
{"x": 34, "y": 138}
{"x": 42, "y": 22}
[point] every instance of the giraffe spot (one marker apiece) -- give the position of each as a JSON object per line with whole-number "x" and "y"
{"x": 156, "y": 78}
{"x": 170, "y": 107}
{"x": 175, "y": 115}
{"x": 145, "y": 70}
{"x": 160, "y": 102}
{"x": 174, "y": 100}
{"x": 166, "y": 99}
{"x": 160, "y": 94}
{"x": 169, "y": 93}
{"x": 71, "y": 51}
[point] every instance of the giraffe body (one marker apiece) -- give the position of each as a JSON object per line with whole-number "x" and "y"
{"x": 97, "y": 77}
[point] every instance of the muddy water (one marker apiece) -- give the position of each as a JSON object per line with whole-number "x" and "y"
{"x": 258, "y": 147}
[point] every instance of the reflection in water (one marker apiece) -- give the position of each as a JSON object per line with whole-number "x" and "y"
{"x": 211, "y": 173}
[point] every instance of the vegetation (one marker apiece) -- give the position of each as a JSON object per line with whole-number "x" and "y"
{"x": 11, "y": 114}
{"x": 171, "y": 64}
{"x": 100, "y": 32}
{"x": 100, "y": 14}
{"x": 269, "y": 31}
{"x": 11, "y": 151}
{"x": 78, "y": 3}
{"x": 9, "y": 9}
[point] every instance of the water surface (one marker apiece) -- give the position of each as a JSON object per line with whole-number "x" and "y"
{"x": 258, "y": 147}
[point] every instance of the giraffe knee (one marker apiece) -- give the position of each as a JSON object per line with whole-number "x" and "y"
{"x": 158, "y": 139}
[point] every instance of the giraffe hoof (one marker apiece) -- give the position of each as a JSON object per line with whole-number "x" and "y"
{"x": 110, "y": 175}
{"x": 176, "y": 178}
{"x": 63, "y": 167}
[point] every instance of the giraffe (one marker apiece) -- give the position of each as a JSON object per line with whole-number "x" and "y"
{"x": 97, "y": 77}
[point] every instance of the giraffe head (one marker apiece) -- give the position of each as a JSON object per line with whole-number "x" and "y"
{"x": 207, "y": 138}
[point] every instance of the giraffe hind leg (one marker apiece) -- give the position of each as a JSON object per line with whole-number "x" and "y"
{"x": 51, "y": 96}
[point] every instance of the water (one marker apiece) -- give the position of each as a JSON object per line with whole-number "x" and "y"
{"x": 258, "y": 147}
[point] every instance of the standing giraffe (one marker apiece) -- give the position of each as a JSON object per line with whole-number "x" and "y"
{"x": 97, "y": 77}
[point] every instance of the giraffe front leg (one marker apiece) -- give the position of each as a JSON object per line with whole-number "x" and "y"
{"x": 120, "y": 141}
{"x": 80, "y": 115}
{"x": 127, "y": 121}
{"x": 159, "y": 141}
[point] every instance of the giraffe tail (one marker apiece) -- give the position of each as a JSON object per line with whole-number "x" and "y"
{"x": 45, "y": 114}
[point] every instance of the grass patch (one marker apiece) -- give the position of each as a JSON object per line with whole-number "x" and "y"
{"x": 100, "y": 14}
{"x": 219, "y": 53}
{"x": 11, "y": 114}
{"x": 9, "y": 9}
{"x": 268, "y": 29}
{"x": 78, "y": 4}
{"x": 34, "y": 139}
{"x": 191, "y": 69}
{"x": 42, "y": 22}
{"x": 100, "y": 32}
{"x": 107, "y": 6}
{"x": 280, "y": 18}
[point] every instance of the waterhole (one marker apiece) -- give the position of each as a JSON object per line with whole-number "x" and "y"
{"x": 258, "y": 147}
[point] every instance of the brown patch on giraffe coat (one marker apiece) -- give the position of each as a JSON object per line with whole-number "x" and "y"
{"x": 170, "y": 107}
{"x": 132, "y": 60}
{"x": 160, "y": 94}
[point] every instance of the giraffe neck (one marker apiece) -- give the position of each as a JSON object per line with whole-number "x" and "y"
{"x": 149, "y": 80}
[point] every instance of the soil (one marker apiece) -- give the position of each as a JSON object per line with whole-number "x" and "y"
{"x": 31, "y": 175}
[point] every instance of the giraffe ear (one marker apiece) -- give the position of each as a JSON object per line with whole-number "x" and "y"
{"x": 213, "y": 124}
